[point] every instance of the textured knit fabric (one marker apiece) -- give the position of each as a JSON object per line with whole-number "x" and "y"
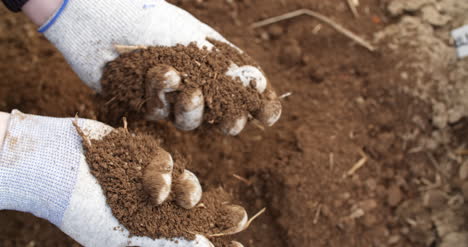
{"x": 14, "y": 5}
{"x": 43, "y": 171}
{"x": 38, "y": 165}
{"x": 86, "y": 31}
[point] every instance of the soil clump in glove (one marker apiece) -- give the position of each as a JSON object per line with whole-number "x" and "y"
{"x": 127, "y": 82}
{"x": 121, "y": 162}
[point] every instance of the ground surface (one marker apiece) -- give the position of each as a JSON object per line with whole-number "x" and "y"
{"x": 346, "y": 102}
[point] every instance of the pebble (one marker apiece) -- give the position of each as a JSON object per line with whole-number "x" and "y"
{"x": 432, "y": 16}
{"x": 368, "y": 205}
{"x": 264, "y": 36}
{"x": 371, "y": 184}
{"x": 346, "y": 196}
{"x": 275, "y": 31}
{"x": 386, "y": 137}
{"x": 394, "y": 239}
{"x": 369, "y": 220}
{"x": 394, "y": 195}
{"x": 434, "y": 199}
{"x": 358, "y": 213}
{"x": 463, "y": 172}
{"x": 455, "y": 239}
{"x": 326, "y": 211}
{"x": 291, "y": 54}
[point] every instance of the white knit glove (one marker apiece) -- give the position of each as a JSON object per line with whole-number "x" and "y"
{"x": 43, "y": 171}
{"x": 85, "y": 31}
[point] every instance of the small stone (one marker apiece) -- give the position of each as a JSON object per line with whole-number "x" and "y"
{"x": 381, "y": 231}
{"x": 291, "y": 54}
{"x": 434, "y": 199}
{"x": 346, "y": 196}
{"x": 371, "y": 184}
{"x": 275, "y": 31}
{"x": 358, "y": 213}
{"x": 264, "y": 36}
{"x": 419, "y": 169}
{"x": 394, "y": 239}
{"x": 463, "y": 172}
{"x": 447, "y": 221}
{"x": 369, "y": 220}
{"x": 398, "y": 7}
{"x": 380, "y": 189}
{"x": 368, "y": 205}
{"x": 384, "y": 142}
{"x": 384, "y": 118}
{"x": 326, "y": 211}
{"x": 317, "y": 75}
{"x": 455, "y": 239}
{"x": 394, "y": 195}
{"x": 432, "y": 16}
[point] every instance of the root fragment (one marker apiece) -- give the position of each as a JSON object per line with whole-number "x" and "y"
{"x": 321, "y": 18}
{"x": 227, "y": 233}
{"x": 242, "y": 179}
{"x": 80, "y": 132}
{"x": 358, "y": 165}
{"x": 122, "y": 49}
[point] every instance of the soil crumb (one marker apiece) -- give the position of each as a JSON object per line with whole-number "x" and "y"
{"x": 118, "y": 161}
{"x": 124, "y": 80}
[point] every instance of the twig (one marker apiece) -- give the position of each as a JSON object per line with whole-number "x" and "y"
{"x": 317, "y": 214}
{"x": 462, "y": 152}
{"x": 436, "y": 165}
{"x": 411, "y": 222}
{"x": 256, "y": 123}
{"x": 317, "y": 29}
{"x": 80, "y": 131}
{"x": 358, "y": 165}
{"x": 285, "y": 95}
{"x": 253, "y": 218}
{"x": 321, "y": 18}
{"x": 352, "y": 7}
{"x": 246, "y": 181}
{"x": 331, "y": 159}
{"x": 125, "y": 124}
{"x": 111, "y": 100}
{"x": 431, "y": 186}
{"x": 122, "y": 49}
{"x": 243, "y": 228}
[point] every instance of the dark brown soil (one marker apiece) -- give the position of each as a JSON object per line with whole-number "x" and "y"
{"x": 120, "y": 161}
{"x": 344, "y": 99}
{"x": 125, "y": 81}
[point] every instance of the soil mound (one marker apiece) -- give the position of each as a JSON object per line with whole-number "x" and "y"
{"x": 125, "y": 81}
{"x": 118, "y": 161}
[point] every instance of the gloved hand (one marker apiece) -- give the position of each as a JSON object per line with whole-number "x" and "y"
{"x": 43, "y": 171}
{"x": 86, "y": 31}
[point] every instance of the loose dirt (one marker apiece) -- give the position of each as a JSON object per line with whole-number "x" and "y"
{"x": 120, "y": 163}
{"x": 344, "y": 99}
{"x": 125, "y": 81}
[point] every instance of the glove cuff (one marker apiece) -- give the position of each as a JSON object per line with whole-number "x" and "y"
{"x": 54, "y": 17}
{"x": 39, "y": 163}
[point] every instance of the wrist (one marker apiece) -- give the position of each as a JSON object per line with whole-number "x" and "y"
{"x": 39, "y": 161}
{"x": 40, "y": 11}
{"x": 4, "y": 120}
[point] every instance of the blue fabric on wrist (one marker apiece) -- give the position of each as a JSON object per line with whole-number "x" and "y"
{"x": 54, "y": 18}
